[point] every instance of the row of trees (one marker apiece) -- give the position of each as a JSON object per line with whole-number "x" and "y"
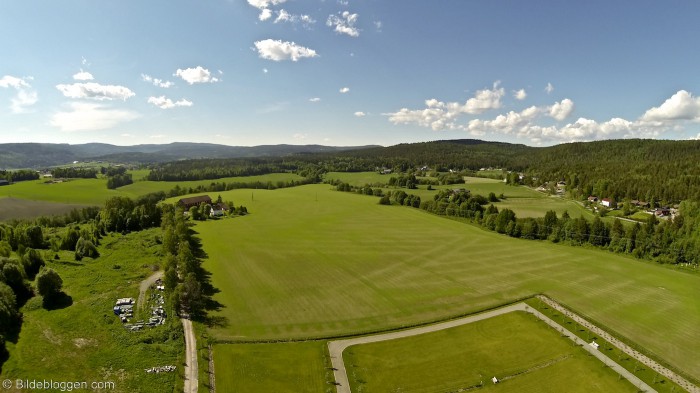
{"x": 664, "y": 241}
{"x": 19, "y": 175}
{"x": 81, "y": 173}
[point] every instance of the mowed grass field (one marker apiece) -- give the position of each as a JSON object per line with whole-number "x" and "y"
{"x": 279, "y": 368}
{"x": 312, "y": 262}
{"x": 520, "y": 350}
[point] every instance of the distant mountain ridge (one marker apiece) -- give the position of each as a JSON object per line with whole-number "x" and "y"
{"x": 41, "y": 155}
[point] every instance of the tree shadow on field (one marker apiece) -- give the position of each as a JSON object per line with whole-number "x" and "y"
{"x": 58, "y": 301}
{"x": 207, "y": 289}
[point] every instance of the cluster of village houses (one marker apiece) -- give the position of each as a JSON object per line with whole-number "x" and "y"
{"x": 661, "y": 212}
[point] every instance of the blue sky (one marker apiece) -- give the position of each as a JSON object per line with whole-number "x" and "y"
{"x": 350, "y": 72}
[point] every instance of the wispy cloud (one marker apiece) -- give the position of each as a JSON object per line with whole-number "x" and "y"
{"x": 314, "y": 99}
{"x": 95, "y": 91}
{"x": 157, "y": 82}
{"x": 84, "y": 116}
{"x": 549, "y": 88}
{"x": 25, "y": 96}
{"x": 360, "y": 114}
{"x": 344, "y": 90}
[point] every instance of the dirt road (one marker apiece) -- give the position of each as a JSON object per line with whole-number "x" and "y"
{"x": 191, "y": 371}
{"x": 145, "y": 284}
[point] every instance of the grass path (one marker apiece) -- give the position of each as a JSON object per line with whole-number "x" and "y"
{"x": 336, "y": 348}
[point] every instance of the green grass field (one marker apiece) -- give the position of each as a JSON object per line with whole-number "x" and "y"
{"x": 85, "y": 341}
{"x": 311, "y": 262}
{"x": 279, "y": 368}
{"x": 93, "y": 192}
{"x": 517, "y": 348}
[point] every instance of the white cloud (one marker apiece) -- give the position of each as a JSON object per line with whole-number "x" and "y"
{"x": 680, "y": 106}
{"x": 166, "y": 103}
{"x": 315, "y": 99}
{"x": 439, "y": 115}
{"x": 12, "y": 81}
{"x": 264, "y": 7}
{"x": 284, "y": 16}
{"x": 22, "y": 100}
{"x": 84, "y": 116}
{"x": 378, "y": 25}
{"x": 25, "y": 95}
{"x": 157, "y": 82}
{"x": 344, "y": 90}
{"x": 196, "y": 75}
{"x": 95, "y": 91}
{"x": 561, "y": 110}
{"x": 83, "y": 76}
{"x": 265, "y": 14}
{"x": 549, "y": 88}
{"x": 344, "y": 23}
{"x": 300, "y": 136}
{"x": 278, "y": 50}
{"x": 360, "y": 114}
{"x": 262, "y": 4}
{"x": 520, "y": 94}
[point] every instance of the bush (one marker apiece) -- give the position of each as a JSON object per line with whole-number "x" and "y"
{"x": 85, "y": 248}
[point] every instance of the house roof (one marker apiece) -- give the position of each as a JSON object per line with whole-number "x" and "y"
{"x": 195, "y": 200}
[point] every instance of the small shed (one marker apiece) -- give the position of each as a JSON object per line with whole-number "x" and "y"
{"x": 594, "y": 344}
{"x": 494, "y": 380}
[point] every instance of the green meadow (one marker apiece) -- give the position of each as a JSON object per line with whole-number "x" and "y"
{"x": 279, "y": 368}
{"x": 517, "y": 348}
{"x": 82, "y": 340}
{"x": 311, "y": 262}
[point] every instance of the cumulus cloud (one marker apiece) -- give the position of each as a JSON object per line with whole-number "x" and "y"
{"x": 549, "y": 88}
{"x": 360, "y": 114}
{"x": 314, "y": 99}
{"x": 520, "y": 94}
{"x": 265, "y": 14}
{"x": 84, "y": 116}
{"x": 166, "y": 103}
{"x": 13, "y": 81}
{"x": 344, "y": 23}
{"x": 83, "y": 76}
{"x": 681, "y": 106}
{"x": 264, "y": 7}
{"x": 278, "y": 50}
{"x": 344, "y": 90}
{"x": 439, "y": 115}
{"x": 95, "y": 91}
{"x": 25, "y": 96}
{"x": 156, "y": 82}
{"x": 561, "y": 110}
{"x": 196, "y": 75}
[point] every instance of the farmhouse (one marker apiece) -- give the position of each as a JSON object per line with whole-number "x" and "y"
{"x": 194, "y": 201}
{"x": 218, "y": 209}
{"x": 607, "y": 202}
{"x": 592, "y": 198}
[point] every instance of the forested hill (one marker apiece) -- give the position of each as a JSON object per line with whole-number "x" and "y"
{"x": 631, "y": 168}
{"x": 40, "y": 155}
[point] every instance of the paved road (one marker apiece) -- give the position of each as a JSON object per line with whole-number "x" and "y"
{"x": 145, "y": 284}
{"x": 336, "y": 348}
{"x": 191, "y": 371}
